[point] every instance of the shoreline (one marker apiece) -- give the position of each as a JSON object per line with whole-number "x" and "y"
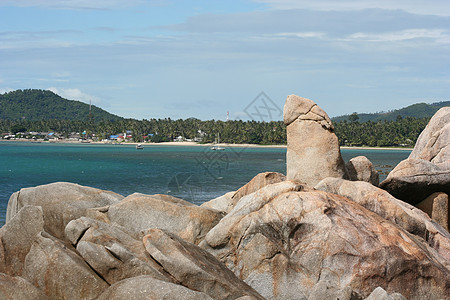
{"x": 207, "y": 145}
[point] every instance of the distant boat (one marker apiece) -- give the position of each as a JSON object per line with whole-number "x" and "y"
{"x": 216, "y": 146}
{"x": 139, "y": 147}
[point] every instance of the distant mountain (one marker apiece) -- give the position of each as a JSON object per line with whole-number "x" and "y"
{"x": 419, "y": 110}
{"x": 34, "y": 105}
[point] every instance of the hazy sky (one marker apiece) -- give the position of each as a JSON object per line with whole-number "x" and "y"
{"x": 176, "y": 58}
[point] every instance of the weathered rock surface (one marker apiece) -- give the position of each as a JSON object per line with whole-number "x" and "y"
{"x": 61, "y": 202}
{"x": 59, "y": 272}
{"x": 146, "y": 287}
{"x": 360, "y": 168}
{"x": 437, "y": 207}
{"x": 313, "y": 151}
{"x": 15, "y": 288}
{"x": 285, "y": 245}
{"x": 380, "y": 294}
{"x": 257, "y": 183}
{"x": 139, "y": 212}
{"x": 224, "y": 203}
{"x": 404, "y": 215}
{"x": 16, "y": 238}
{"x": 427, "y": 169}
{"x": 111, "y": 252}
{"x": 194, "y": 267}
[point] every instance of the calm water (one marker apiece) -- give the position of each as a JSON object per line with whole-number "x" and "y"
{"x": 196, "y": 173}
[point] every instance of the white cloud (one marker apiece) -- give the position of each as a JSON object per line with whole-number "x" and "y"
{"x": 302, "y": 34}
{"x": 75, "y": 94}
{"x": 421, "y": 7}
{"x": 74, "y": 4}
{"x": 5, "y": 90}
{"x": 438, "y": 35}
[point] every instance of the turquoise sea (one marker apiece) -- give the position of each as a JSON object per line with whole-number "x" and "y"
{"x": 193, "y": 173}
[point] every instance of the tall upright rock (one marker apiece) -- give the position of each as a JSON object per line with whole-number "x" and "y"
{"x": 313, "y": 151}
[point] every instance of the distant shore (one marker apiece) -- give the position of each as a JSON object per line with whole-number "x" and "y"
{"x": 205, "y": 145}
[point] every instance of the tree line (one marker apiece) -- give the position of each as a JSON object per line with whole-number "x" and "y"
{"x": 403, "y": 131}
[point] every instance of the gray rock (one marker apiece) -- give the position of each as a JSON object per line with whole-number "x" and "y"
{"x": 325, "y": 290}
{"x": 147, "y": 287}
{"x": 14, "y": 288}
{"x": 112, "y": 252}
{"x": 427, "y": 169}
{"x": 224, "y": 203}
{"x": 60, "y": 272}
{"x": 139, "y": 212}
{"x": 380, "y": 294}
{"x": 437, "y": 207}
{"x": 61, "y": 202}
{"x": 16, "y": 238}
{"x": 285, "y": 244}
{"x": 195, "y": 268}
{"x": 313, "y": 151}
{"x": 361, "y": 169}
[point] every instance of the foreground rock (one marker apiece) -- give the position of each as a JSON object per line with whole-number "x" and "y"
{"x": 61, "y": 202}
{"x": 437, "y": 207}
{"x": 13, "y": 288}
{"x": 361, "y": 169}
{"x": 285, "y": 244}
{"x": 406, "y": 216}
{"x": 313, "y": 151}
{"x": 427, "y": 169}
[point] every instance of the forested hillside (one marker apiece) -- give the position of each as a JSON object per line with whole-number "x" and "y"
{"x": 34, "y": 105}
{"x": 418, "y": 110}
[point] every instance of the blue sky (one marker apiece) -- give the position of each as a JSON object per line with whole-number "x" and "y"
{"x": 171, "y": 58}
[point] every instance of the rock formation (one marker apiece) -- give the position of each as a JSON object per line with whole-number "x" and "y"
{"x": 313, "y": 151}
{"x": 427, "y": 169}
{"x": 361, "y": 169}
{"x": 437, "y": 207}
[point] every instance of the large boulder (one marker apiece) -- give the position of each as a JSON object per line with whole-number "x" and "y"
{"x": 224, "y": 203}
{"x": 59, "y": 271}
{"x": 61, "y": 202}
{"x": 427, "y": 169}
{"x": 16, "y": 238}
{"x": 285, "y": 245}
{"x": 111, "y": 251}
{"x": 402, "y": 214}
{"x": 194, "y": 267}
{"x": 139, "y": 212}
{"x": 437, "y": 207}
{"x": 313, "y": 151}
{"x": 14, "y": 288}
{"x": 147, "y": 287}
{"x": 360, "y": 168}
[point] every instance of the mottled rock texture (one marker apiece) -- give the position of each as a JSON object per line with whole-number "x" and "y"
{"x": 360, "y": 168}
{"x": 313, "y": 151}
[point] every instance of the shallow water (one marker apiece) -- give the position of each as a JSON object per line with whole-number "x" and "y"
{"x": 195, "y": 173}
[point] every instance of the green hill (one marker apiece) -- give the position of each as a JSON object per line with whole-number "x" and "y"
{"x": 419, "y": 110}
{"x": 35, "y": 105}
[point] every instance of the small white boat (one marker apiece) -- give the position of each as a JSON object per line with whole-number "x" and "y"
{"x": 216, "y": 146}
{"x": 139, "y": 147}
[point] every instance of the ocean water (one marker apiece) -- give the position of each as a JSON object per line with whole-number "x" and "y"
{"x": 195, "y": 173}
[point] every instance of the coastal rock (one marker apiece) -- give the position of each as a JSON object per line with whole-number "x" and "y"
{"x": 13, "y": 288}
{"x": 224, "y": 203}
{"x": 427, "y": 169}
{"x": 437, "y": 207}
{"x": 360, "y": 168}
{"x": 61, "y": 202}
{"x": 60, "y": 272}
{"x": 296, "y": 240}
{"x": 147, "y": 287}
{"x": 139, "y": 212}
{"x": 313, "y": 151}
{"x": 194, "y": 267}
{"x": 111, "y": 252}
{"x": 16, "y": 238}
{"x": 258, "y": 182}
{"x": 406, "y": 216}
{"x": 380, "y": 294}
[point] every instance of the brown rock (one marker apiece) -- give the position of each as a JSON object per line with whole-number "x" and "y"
{"x": 258, "y": 182}
{"x": 111, "y": 252}
{"x": 14, "y": 288}
{"x": 224, "y": 203}
{"x": 436, "y": 206}
{"x": 61, "y": 202}
{"x": 361, "y": 169}
{"x": 313, "y": 151}
{"x": 296, "y": 240}
{"x": 16, "y": 238}
{"x": 396, "y": 211}
{"x": 59, "y": 272}
{"x": 427, "y": 169}
{"x": 195, "y": 268}
{"x": 147, "y": 287}
{"x": 139, "y": 212}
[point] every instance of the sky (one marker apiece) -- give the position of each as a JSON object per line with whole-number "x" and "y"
{"x": 148, "y": 59}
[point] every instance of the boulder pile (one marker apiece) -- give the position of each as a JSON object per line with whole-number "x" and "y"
{"x": 311, "y": 235}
